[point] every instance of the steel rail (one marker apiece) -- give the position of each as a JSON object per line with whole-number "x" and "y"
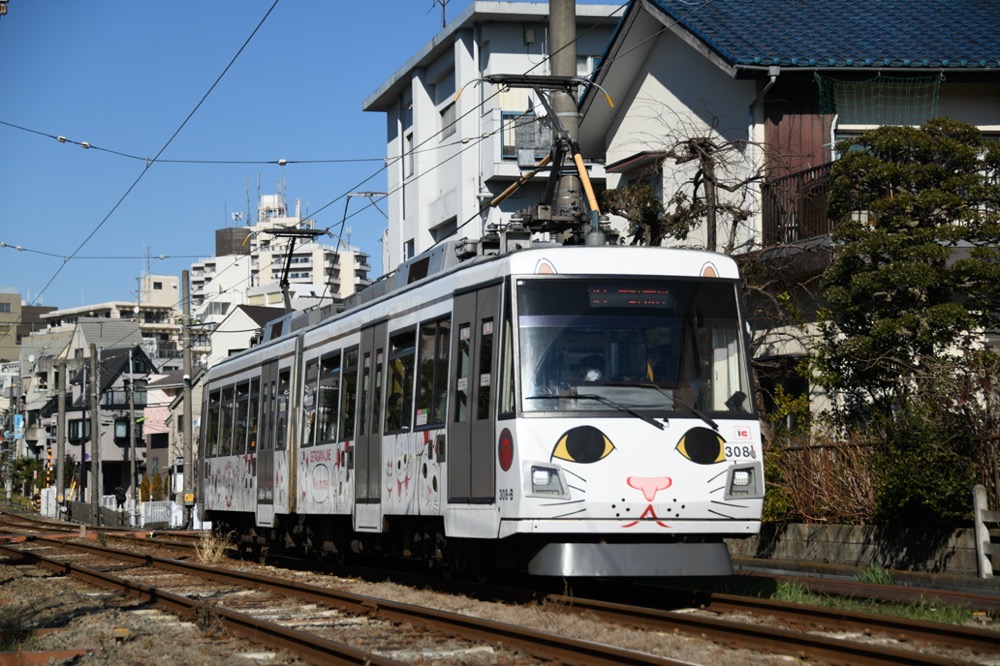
{"x": 988, "y": 603}
{"x": 772, "y": 639}
{"x": 901, "y": 628}
{"x": 312, "y": 648}
{"x": 537, "y": 643}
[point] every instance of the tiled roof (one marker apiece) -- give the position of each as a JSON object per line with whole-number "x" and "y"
{"x": 953, "y": 34}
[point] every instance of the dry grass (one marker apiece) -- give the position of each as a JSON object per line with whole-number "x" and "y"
{"x": 827, "y": 481}
{"x": 212, "y": 549}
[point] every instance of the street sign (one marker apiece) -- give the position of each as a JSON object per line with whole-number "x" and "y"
{"x": 18, "y": 426}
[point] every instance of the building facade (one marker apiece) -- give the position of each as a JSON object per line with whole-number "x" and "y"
{"x": 453, "y": 141}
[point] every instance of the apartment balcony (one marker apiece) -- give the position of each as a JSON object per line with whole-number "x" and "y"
{"x": 118, "y": 399}
{"x": 794, "y": 206}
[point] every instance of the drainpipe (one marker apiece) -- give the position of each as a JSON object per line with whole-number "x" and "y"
{"x": 774, "y": 71}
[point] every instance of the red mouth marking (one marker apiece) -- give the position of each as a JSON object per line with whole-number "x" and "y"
{"x": 648, "y": 512}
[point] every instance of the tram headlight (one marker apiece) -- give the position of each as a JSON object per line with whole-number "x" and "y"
{"x": 745, "y": 481}
{"x": 545, "y": 481}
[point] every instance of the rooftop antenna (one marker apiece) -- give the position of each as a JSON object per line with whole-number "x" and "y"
{"x": 249, "y": 209}
{"x": 444, "y": 5}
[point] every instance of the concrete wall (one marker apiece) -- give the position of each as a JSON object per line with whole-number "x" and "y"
{"x": 904, "y": 549}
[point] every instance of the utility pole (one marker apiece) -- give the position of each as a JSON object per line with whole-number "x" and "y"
{"x": 85, "y": 434}
{"x": 95, "y": 440}
{"x": 131, "y": 441}
{"x": 61, "y": 435}
{"x": 562, "y": 59}
{"x": 188, "y": 409}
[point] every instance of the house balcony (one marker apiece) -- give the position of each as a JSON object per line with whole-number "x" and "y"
{"x": 118, "y": 399}
{"x": 794, "y": 206}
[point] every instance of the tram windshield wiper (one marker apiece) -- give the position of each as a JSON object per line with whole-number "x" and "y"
{"x": 620, "y": 407}
{"x": 677, "y": 403}
{"x": 601, "y": 399}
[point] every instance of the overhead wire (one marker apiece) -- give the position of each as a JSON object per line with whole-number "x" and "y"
{"x": 158, "y": 154}
{"x": 386, "y": 161}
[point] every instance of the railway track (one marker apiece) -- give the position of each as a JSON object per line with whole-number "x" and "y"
{"x": 195, "y": 590}
{"x": 829, "y": 635}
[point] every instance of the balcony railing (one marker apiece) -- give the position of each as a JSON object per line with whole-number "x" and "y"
{"x": 118, "y": 398}
{"x": 794, "y": 206}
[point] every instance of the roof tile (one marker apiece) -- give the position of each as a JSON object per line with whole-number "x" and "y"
{"x": 839, "y": 33}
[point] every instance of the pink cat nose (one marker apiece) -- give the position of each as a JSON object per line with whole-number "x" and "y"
{"x": 649, "y": 485}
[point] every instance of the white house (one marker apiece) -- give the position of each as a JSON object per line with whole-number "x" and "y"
{"x": 452, "y": 140}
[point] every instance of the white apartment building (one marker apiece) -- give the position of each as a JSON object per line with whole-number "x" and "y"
{"x": 453, "y": 141}
{"x": 250, "y": 261}
{"x": 155, "y": 310}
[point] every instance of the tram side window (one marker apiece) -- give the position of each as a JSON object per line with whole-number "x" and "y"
{"x": 226, "y": 431}
{"x": 253, "y": 410}
{"x": 485, "y": 370}
{"x": 309, "y": 403}
{"x": 241, "y": 418}
{"x": 399, "y": 383}
{"x": 432, "y": 373}
{"x": 267, "y": 416}
{"x": 377, "y": 393}
{"x": 212, "y": 428}
{"x": 507, "y": 399}
{"x": 365, "y": 389}
{"x": 326, "y": 405}
{"x": 463, "y": 368}
{"x": 348, "y": 395}
{"x": 284, "y": 387}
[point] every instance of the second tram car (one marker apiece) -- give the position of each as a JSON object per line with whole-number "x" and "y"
{"x": 564, "y": 410}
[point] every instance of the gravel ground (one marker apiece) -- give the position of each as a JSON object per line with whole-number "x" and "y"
{"x": 60, "y": 613}
{"x": 63, "y": 614}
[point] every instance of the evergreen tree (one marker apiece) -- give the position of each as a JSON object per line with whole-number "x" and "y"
{"x": 916, "y": 265}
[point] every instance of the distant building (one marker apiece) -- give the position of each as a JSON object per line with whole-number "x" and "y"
{"x": 240, "y": 330}
{"x": 250, "y": 261}
{"x": 16, "y": 321}
{"x": 155, "y": 311}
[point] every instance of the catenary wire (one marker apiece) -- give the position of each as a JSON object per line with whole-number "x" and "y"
{"x": 160, "y": 152}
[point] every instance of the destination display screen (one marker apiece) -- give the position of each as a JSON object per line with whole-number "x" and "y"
{"x": 623, "y": 297}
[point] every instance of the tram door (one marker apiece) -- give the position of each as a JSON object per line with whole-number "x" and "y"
{"x": 471, "y": 437}
{"x": 265, "y": 444}
{"x": 368, "y": 446}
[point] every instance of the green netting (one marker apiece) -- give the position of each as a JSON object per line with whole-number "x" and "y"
{"x": 883, "y": 100}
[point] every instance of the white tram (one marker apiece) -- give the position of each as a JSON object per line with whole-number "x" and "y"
{"x": 568, "y": 411}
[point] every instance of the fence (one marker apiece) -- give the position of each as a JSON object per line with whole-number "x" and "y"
{"x": 987, "y": 534}
{"x": 158, "y": 514}
{"x": 794, "y": 206}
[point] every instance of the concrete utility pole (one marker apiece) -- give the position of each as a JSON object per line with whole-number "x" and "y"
{"x": 61, "y": 434}
{"x": 95, "y": 440}
{"x": 188, "y": 409}
{"x": 562, "y": 59}
{"x": 131, "y": 441}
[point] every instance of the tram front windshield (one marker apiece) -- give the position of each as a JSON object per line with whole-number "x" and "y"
{"x": 625, "y": 344}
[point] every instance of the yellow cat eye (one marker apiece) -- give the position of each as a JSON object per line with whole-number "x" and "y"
{"x": 584, "y": 444}
{"x": 702, "y": 446}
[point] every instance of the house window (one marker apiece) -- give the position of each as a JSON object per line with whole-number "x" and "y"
{"x": 858, "y": 106}
{"x": 448, "y": 121}
{"x": 523, "y": 132}
{"x": 157, "y": 285}
{"x": 4, "y": 307}
{"x": 408, "y": 155}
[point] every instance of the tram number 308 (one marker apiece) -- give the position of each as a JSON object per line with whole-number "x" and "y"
{"x": 741, "y": 451}
{"x": 506, "y": 494}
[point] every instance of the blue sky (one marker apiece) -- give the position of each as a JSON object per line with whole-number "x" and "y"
{"x": 124, "y": 74}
